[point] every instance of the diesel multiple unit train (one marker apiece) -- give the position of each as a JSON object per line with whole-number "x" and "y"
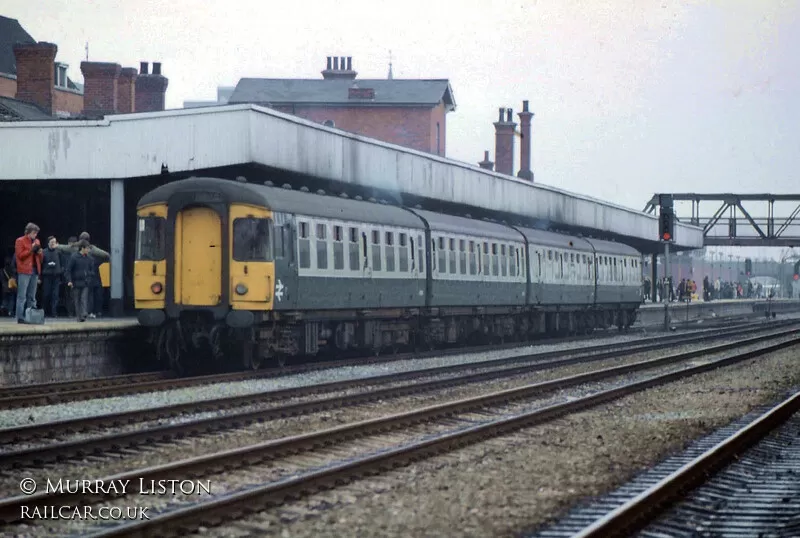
{"x": 232, "y": 269}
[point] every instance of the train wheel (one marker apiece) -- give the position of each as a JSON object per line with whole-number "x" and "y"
{"x": 175, "y": 353}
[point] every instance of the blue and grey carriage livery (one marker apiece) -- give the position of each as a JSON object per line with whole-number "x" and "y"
{"x": 350, "y": 273}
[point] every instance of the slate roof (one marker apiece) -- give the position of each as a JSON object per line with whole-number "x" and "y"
{"x": 394, "y": 92}
{"x": 11, "y": 32}
{"x": 15, "y": 110}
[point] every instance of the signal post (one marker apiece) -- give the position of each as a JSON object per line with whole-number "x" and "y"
{"x": 666, "y": 221}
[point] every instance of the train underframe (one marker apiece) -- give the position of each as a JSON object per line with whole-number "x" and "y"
{"x": 195, "y": 343}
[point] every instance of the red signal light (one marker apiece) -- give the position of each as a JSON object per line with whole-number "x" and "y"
{"x": 666, "y": 236}
{"x": 796, "y": 277}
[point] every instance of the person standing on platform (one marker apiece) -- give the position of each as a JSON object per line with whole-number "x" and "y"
{"x": 8, "y": 281}
{"x": 96, "y": 285}
{"x": 66, "y": 252}
{"x": 79, "y": 273}
{"x": 52, "y": 273}
{"x": 28, "y": 255}
{"x": 99, "y": 257}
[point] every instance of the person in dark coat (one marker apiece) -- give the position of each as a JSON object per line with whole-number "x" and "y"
{"x": 80, "y": 269}
{"x": 52, "y": 272}
{"x": 66, "y": 252}
{"x": 99, "y": 256}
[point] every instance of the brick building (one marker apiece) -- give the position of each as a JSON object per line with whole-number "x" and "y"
{"x": 33, "y": 86}
{"x": 410, "y": 113}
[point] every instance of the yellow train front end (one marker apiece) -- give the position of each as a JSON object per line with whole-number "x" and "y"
{"x": 204, "y": 272}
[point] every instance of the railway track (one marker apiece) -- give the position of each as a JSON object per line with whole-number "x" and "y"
{"x": 71, "y": 391}
{"x": 382, "y": 444}
{"x": 737, "y": 483}
{"x": 370, "y": 389}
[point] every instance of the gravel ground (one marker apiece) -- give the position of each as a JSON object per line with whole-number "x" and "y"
{"x": 172, "y": 451}
{"x": 519, "y": 482}
{"x": 50, "y": 413}
{"x": 236, "y": 479}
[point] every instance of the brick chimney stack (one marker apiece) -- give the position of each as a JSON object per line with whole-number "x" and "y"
{"x": 100, "y": 86}
{"x": 36, "y": 75}
{"x": 151, "y": 89}
{"x": 525, "y": 145}
{"x": 126, "y": 90}
{"x": 504, "y": 142}
{"x": 486, "y": 164}
{"x": 339, "y": 68}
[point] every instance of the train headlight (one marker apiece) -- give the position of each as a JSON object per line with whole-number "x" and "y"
{"x": 241, "y": 289}
{"x": 157, "y": 288}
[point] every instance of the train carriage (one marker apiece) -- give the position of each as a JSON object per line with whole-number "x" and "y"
{"x": 227, "y": 269}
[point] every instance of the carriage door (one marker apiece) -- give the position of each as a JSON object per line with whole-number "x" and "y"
{"x": 198, "y": 261}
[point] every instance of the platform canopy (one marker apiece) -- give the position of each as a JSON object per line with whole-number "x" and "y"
{"x": 195, "y": 140}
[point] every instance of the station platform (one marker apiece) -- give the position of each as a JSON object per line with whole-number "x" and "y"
{"x": 64, "y": 349}
{"x": 653, "y": 313}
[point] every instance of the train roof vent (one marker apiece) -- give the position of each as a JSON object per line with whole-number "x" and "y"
{"x": 269, "y": 183}
{"x": 304, "y": 189}
{"x": 241, "y": 179}
{"x": 320, "y": 191}
{"x": 359, "y": 198}
{"x": 384, "y": 202}
{"x": 417, "y": 206}
{"x": 468, "y": 216}
{"x": 371, "y": 199}
{"x": 287, "y": 186}
{"x": 343, "y": 195}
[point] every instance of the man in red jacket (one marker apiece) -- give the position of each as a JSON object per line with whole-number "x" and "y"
{"x": 28, "y": 252}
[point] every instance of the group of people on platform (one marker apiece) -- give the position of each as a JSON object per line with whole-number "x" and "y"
{"x": 33, "y": 268}
{"x": 711, "y": 291}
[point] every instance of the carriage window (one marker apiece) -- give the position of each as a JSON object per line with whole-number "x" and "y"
{"x": 352, "y": 249}
{"x": 389, "y": 251}
{"x": 420, "y": 253}
{"x": 376, "y": 251}
{"x": 572, "y": 258}
{"x": 304, "y": 246}
{"x": 550, "y": 255}
{"x": 495, "y": 261}
{"x": 462, "y": 256}
{"x": 251, "y": 240}
{"x": 473, "y": 267}
{"x": 402, "y": 251}
{"x": 503, "y": 261}
{"x": 151, "y": 238}
{"x": 338, "y": 249}
{"x": 514, "y": 265}
{"x": 487, "y": 260}
{"x": 364, "y": 247}
{"x": 441, "y": 258}
{"x": 451, "y": 255}
{"x": 322, "y": 246}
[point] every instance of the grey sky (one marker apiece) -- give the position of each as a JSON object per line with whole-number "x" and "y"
{"x": 631, "y": 97}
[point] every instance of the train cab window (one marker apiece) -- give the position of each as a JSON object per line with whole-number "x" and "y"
{"x": 402, "y": 251}
{"x": 451, "y": 256}
{"x": 322, "y": 246}
{"x": 338, "y": 248}
{"x": 304, "y": 245}
{"x": 151, "y": 238}
{"x": 376, "y": 251}
{"x": 251, "y": 240}
{"x": 473, "y": 266}
{"x": 389, "y": 249}
{"x": 352, "y": 249}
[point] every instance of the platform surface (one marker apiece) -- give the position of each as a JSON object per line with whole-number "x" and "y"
{"x": 677, "y": 304}
{"x": 9, "y": 326}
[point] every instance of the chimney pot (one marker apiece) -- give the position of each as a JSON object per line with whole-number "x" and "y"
{"x": 156, "y": 68}
{"x": 500, "y": 118}
{"x": 525, "y": 106}
{"x": 486, "y": 155}
{"x": 335, "y": 63}
{"x": 342, "y": 63}
{"x": 330, "y": 63}
{"x": 509, "y": 112}
{"x": 349, "y": 63}
{"x": 143, "y": 68}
